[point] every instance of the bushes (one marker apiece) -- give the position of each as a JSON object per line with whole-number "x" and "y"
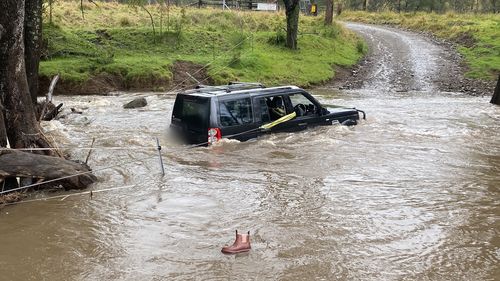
{"x": 361, "y": 47}
{"x": 237, "y": 43}
{"x": 278, "y": 38}
{"x": 125, "y": 21}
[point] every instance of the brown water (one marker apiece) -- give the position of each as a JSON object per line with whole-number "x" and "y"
{"x": 412, "y": 193}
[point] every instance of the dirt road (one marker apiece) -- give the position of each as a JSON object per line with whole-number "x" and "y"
{"x": 402, "y": 61}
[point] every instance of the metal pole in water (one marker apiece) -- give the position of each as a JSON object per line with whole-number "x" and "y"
{"x": 159, "y": 154}
{"x": 90, "y": 151}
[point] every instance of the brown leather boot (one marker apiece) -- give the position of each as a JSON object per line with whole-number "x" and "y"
{"x": 240, "y": 245}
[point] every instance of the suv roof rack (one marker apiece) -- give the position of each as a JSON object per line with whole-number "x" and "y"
{"x": 232, "y": 86}
{"x": 256, "y": 84}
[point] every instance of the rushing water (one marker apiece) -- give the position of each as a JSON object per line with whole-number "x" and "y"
{"x": 411, "y": 193}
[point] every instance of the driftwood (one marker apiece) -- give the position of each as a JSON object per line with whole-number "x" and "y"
{"x": 51, "y": 114}
{"x": 14, "y": 163}
{"x": 49, "y": 111}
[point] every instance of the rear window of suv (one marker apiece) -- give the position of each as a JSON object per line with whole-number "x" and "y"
{"x": 235, "y": 112}
{"x": 192, "y": 111}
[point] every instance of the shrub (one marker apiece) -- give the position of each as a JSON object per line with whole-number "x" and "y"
{"x": 124, "y": 21}
{"x": 238, "y": 41}
{"x": 279, "y": 38}
{"x": 332, "y": 31}
{"x": 361, "y": 47}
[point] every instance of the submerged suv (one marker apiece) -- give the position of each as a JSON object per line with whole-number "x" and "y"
{"x": 244, "y": 111}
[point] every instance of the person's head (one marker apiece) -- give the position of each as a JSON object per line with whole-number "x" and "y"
{"x": 278, "y": 102}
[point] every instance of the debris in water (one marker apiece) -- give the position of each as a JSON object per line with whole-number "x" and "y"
{"x": 11, "y": 197}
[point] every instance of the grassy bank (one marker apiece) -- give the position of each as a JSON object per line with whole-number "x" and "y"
{"x": 477, "y": 36}
{"x": 117, "y": 41}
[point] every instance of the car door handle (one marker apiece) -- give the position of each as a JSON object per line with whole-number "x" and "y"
{"x": 302, "y": 124}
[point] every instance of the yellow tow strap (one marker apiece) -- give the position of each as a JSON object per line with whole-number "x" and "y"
{"x": 279, "y": 121}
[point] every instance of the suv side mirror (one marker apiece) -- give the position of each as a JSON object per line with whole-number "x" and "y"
{"x": 324, "y": 111}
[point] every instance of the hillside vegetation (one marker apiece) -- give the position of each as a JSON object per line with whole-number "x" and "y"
{"x": 116, "y": 41}
{"x": 477, "y": 35}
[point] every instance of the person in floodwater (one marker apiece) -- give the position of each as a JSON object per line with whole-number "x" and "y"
{"x": 277, "y": 108}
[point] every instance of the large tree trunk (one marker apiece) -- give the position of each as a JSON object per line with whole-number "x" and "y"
{"x": 32, "y": 44}
{"x": 292, "y": 22}
{"x": 329, "y": 12}
{"x": 20, "y": 121}
{"x": 23, "y": 164}
{"x": 496, "y": 95}
{"x": 365, "y": 5}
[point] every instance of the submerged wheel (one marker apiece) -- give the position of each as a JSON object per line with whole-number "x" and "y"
{"x": 349, "y": 122}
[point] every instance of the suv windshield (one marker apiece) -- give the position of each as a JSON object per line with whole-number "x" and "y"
{"x": 192, "y": 111}
{"x": 302, "y": 104}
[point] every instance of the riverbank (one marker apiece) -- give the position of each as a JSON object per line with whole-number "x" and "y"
{"x": 475, "y": 37}
{"x": 116, "y": 48}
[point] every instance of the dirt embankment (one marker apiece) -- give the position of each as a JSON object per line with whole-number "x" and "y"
{"x": 105, "y": 82}
{"x": 405, "y": 61}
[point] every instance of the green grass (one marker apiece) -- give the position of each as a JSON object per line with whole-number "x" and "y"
{"x": 477, "y": 36}
{"x": 118, "y": 39}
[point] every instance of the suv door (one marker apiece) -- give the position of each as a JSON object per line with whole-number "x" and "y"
{"x": 271, "y": 108}
{"x": 307, "y": 108}
{"x": 190, "y": 118}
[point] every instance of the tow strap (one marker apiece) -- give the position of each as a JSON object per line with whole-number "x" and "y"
{"x": 278, "y": 121}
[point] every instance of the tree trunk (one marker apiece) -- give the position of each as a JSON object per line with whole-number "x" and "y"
{"x": 18, "y": 118}
{"x": 292, "y": 22}
{"x": 365, "y": 6}
{"x": 32, "y": 44}
{"x": 152, "y": 21}
{"x": 496, "y": 95}
{"x": 20, "y": 121}
{"x": 24, "y": 164}
{"x": 3, "y": 131}
{"x": 161, "y": 18}
{"x": 329, "y": 12}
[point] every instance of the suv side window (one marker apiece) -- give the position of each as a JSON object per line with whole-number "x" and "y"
{"x": 277, "y": 107}
{"x": 235, "y": 112}
{"x": 261, "y": 110}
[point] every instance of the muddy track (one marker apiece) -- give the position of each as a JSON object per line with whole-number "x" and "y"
{"x": 401, "y": 61}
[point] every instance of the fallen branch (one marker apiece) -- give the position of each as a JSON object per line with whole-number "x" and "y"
{"x": 15, "y": 163}
{"x": 48, "y": 99}
{"x": 52, "y": 113}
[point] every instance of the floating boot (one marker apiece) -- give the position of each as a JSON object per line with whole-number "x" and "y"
{"x": 240, "y": 245}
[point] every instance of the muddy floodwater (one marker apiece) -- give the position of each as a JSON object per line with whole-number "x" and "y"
{"x": 410, "y": 193}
